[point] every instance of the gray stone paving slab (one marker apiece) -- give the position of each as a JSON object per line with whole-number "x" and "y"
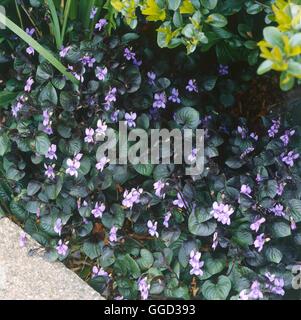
{"x": 31, "y": 277}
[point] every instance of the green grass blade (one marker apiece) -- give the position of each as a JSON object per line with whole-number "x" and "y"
{"x": 40, "y": 49}
{"x": 73, "y": 10}
{"x": 55, "y": 23}
{"x": 85, "y": 9}
{"x": 19, "y": 14}
{"x": 66, "y": 16}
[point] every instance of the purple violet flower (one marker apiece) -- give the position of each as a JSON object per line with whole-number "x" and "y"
{"x": 259, "y": 178}
{"x": 29, "y": 83}
{"x": 101, "y": 73}
{"x": 46, "y": 118}
{"x": 130, "y": 119}
{"x": 64, "y": 51}
{"x": 215, "y": 241}
{"x": 179, "y": 201}
{"x": 243, "y": 295}
{"x": 143, "y": 287}
{"x": 280, "y": 188}
{"x": 51, "y": 153}
{"x": 30, "y": 51}
{"x": 98, "y": 210}
{"x": 78, "y": 76}
{"x": 128, "y": 54}
{"x": 286, "y": 137}
{"x": 30, "y": 31}
{"x": 152, "y": 228}
{"x": 137, "y": 63}
{"x": 48, "y": 130}
{"x": 49, "y": 171}
{"x": 101, "y": 129}
{"x": 159, "y": 100}
{"x": 246, "y": 190}
{"x": 256, "y": 225}
{"x": 47, "y": 122}
{"x": 254, "y": 136}
{"x": 87, "y": 60}
{"x": 98, "y": 272}
{"x": 192, "y": 156}
{"x": 159, "y": 188}
{"x": 222, "y": 212}
{"x": 275, "y": 285}
{"x": 58, "y": 226}
{"x": 113, "y": 234}
{"x": 38, "y": 214}
{"x": 293, "y": 224}
{"x": 167, "y": 217}
{"x": 100, "y": 24}
{"x": 89, "y": 138}
{"x": 192, "y": 86}
{"x": 73, "y": 165}
{"x": 246, "y": 152}
{"x": 274, "y": 128}
{"x": 174, "y": 97}
{"x": 242, "y": 132}
{"x": 62, "y": 248}
{"x": 111, "y": 96}
{"x": 289, "y": 158}
{"x": 79, "y": 205}
{"x": 196, "y": 264}
{"x": 255, "y": 292}
{"x": 93, "y": 13}
{"x": 259, "y": 242}
{"x": 223, "y": 70}
{"x": 16, "y": 108}
{"x": 114, "y": 115}
{"x": 278, "y": 210}
{"x": 102, "y": 163}
{"x": 151, "y": 77}
{"x": 131, "y": 197}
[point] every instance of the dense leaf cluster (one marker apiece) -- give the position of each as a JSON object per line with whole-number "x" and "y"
{"x": 233, "y": 232}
